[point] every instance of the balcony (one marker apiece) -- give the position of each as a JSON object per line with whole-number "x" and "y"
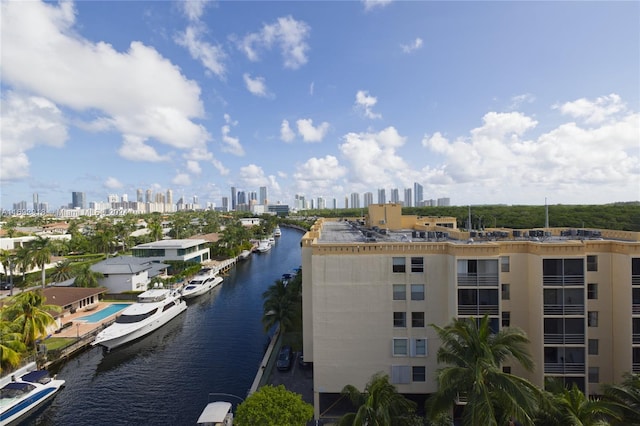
{"x": 635, "y": 367}
{"x": 635, "y": 309}
{"x": 563, "y": 339}
{"x": 563, "y": 280}
{"x": 636, "y": 338}
{"x": 478, "y": 310}
{"x": 474, "y": 280}
{"x": 635, "y": 279}
{"x": 563, "y": 309}
{"x": 566, "y": 368}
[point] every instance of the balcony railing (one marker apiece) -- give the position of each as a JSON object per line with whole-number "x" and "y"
{"x": 636, "y": 338}
{"x": 635, "y": 279}
{"x": 635, "y": 367}
{"x": 563, "y": 339}
{"x": 474, "y": 280}
{"x": 564, "y": 368}
{"x": 478, "y": 309}
{"x": 563, "y": 280}
{"x": 635, "y": 309}
{"x": 563, "y": 309}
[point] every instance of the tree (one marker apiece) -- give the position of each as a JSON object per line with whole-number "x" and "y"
{"x": 155, "y": 230}
{"x": 379, "y": 405}
{"x": 11, "y": 345}
{"x": 87, "y": 277}
{"x": 24, "y": 260}
{"x": 279, "y": 307}
{"x": 473, "y": 355}
{"x": 273, "y": 406}
{"x": 570, "y": 406}
{"x": 42, "y": 250}
{"x": 31, "y": 315}
{"x": 627, "y": 396}
{"x": 8, "y": 260}
{"x": 63, "y": 271}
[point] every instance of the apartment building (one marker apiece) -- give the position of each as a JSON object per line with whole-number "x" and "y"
{"x": 372, "y": 287}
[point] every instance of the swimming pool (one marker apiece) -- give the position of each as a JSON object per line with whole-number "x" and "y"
{"x": 100, "y": 315}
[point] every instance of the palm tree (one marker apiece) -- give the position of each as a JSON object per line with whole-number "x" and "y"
{"x": 87, "y": 277}
{"x": 42, "y": 250}
{"x": 380, "y": 404}
{"x": 155, "y": 230}
{"x": 63, "y": 271}
{"x": 280, "y": 307}
{"x": 572, "y": 407}
{"x": 24, "y": 261}
{"x": 29, "y": 312}
{"x": 11, "y": 345}
{"x": 473, "y": 356}
{"x": 627, "y": 396}
{"x": 8, "y": 260}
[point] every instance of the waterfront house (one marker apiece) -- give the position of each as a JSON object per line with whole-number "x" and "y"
{"x": 128, "y": 273}
{"x": 186, "y": 250}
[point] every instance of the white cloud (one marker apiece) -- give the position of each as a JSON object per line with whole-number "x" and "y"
{"x": 311, "y": 88}
{"x": 373, "y": 158}
{"x": 310, "y": 133}
{"x": 211, "y": 56}
{"x": 194, "y": 167}
{"x": 252, "y": 176}
{"x": 112, "y": 183}
{"x": 27, "y": 122}
{"x": 288, "y": 34}
{"x": 518, "y": 100}
{"x": 415, "y": 45}
{"x": 256, "y": 85}
{"x": 181, "y": 179}
{"x": 140, "y": 108}
{"x": 594, "y": 112}
{"x": 365, "y": 102}
{"x": 134, "y": 148}
{"x": 319, "y": 174}
{"x": 194, "y": 9}
{"x": 286, "y": 134}
{"x": 230, "y": 144}
{"x": 372, "y": 4}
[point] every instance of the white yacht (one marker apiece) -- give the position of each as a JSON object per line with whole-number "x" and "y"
{"x": 277, "y": 232}
{"x": 264, "y": 246}
{"x": 22, "y": 395}
{"x": 201, "y": 283}
{"x": 216, "y": 414}
{"x": 153, "y": 309}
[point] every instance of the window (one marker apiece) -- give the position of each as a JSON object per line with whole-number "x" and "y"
{"x": 417, "y": 264}
{"x": 504, "y": 263}
{"x": 399, "y": 292}
{"x": 417, "y": 291}
{"x": 506, "y": 369}
{"x": 506, "y": 319}
{"x": 398, "y": 264}
{"x": 593, "y": 347}
{"x": 400, "y": 374}
{"x": 420, "y": 347}
{"x": 400, "y": 347}
{"x": 592, "y": 291}
{"x": 417, "y": 319}
{"x": 506, "y": 291}
{"x": 419, "y": 373}
{"x": 592, "y": 263}
{"x": 592, "y": 318}
{"x": 399, "y": 319}
{"x": 594, "y": 374}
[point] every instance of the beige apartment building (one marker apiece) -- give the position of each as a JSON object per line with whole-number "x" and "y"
{"x": 372, "y": 287}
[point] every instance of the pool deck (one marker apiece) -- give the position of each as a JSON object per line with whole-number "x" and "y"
{"x": 80, "y": 328}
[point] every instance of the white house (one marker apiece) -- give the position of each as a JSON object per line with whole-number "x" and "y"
{"x": 128, "y": 273}
{"x": 187, "y": 250}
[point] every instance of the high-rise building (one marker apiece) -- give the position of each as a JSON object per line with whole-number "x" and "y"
{"x": 20, "y": 206}
{"x": 139, "y": 195}
{"x": 575, "y": 293}
{"x": 234, "y": 198}
{"x": 148, "y": 196}
{"x": 445, "y": 202}
{"x": 321, "y": 203}
{"x": 368, "y": 199}
{"x": 124, "y": 198}
{"x": 355, "y": 200}
{"x": 335, "y": 204}
{"x": 417, "y": 193}
{"x": 346, "y": 202}
{"x": 242, "y": 197}
{"x": 263, "y": 195}
{"x": 395, "y": 197}
{"x": 225, "y": 204}
{"x": 408, "y": 198}
{"x": 78, "y": 200}
{"x": 35, "y": 202}
{"x": 382, "y": 196}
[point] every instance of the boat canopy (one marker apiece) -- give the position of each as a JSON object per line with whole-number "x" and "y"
{"x": 38, "y": 376}
{"x": 151, "y": 296}
{"x": 15, "y": 389}
{"x": 214, "y": 412}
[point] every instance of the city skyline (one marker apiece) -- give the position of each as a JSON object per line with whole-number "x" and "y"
{"x": 324, "y": 99}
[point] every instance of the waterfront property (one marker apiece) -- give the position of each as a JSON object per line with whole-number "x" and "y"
{"x": 103, "y": 314}
{"x": 128, "y": 273}
{"x": 71, "y": 300}
{"x": 372, "y": 287}
{"x": 187, "y": 250}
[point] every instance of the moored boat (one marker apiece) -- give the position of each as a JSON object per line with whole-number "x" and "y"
{"x": 201, "y": 283}
{"x": 25, "y": 394}
{"x": 216, "y": 413}
{"x": 244, "y": 255}
{"x": 277, "y": 232}
{"x": 264, "y": 246}
{"x": 153, "y": 309}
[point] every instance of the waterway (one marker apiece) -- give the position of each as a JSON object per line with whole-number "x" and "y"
{"x": 215, "y": 346}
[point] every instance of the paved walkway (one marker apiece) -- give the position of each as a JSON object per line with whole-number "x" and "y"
{"x": 80, "y": 328}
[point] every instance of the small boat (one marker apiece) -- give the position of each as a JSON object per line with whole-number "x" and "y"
{"x": 244, "y": 255}
{"x": 23, "y": 395}
{"x": 153, "y": 309}
{"x": 264, "y": 246}
{"x": 201, "y": 283}
{"x": 216, "y": 413}
{"x": 277, "y": 232}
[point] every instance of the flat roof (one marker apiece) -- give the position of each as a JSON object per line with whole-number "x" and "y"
{"x": 165, "y": 244}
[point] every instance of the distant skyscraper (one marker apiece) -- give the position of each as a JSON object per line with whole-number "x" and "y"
{"x": 35, "y": 201}
{"x": 225, "y": 204}
{"x": 321, "y": 203}
{"x": 234, "y": 198}
{"x": 368, "y": 198}
{"x": 346, "y": 202}
{"x": 355, "y": 200}
{"x": 417, "y": 194}
{"x": 263, "y": 195}
{"x": 139, "y": 195}
{"x": 253, "y": 196}
{"x": 78, "y": 200}
{"x": 148, "y": 196}
{"x": 382, "y": 196}
{"x": 408, "y": 198}
{"x": 335, "y": 204}
{"x": 169, "y": 199}
{"x": 125, "y": 198}
{"x": 242, "y": 198}
{"x": 20, "y": 206}
{"x": 446, "y": 202}
{"x": 395, "y": 197}
{"x": 195, "y": 200}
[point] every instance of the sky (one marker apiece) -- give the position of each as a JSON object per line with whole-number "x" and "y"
{"x": 501, "y": 102}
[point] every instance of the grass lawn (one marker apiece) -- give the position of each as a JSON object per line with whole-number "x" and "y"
{"x": 54, "y": 343}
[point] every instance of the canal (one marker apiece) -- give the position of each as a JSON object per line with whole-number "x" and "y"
{"x": 165, "y": 378}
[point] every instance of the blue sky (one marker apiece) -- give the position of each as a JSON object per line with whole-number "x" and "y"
{"x": 480, "y": 102}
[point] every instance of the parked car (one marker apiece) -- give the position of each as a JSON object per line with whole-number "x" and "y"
{"x": 285, "y": 357}
{"x": 5, "y": 286}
